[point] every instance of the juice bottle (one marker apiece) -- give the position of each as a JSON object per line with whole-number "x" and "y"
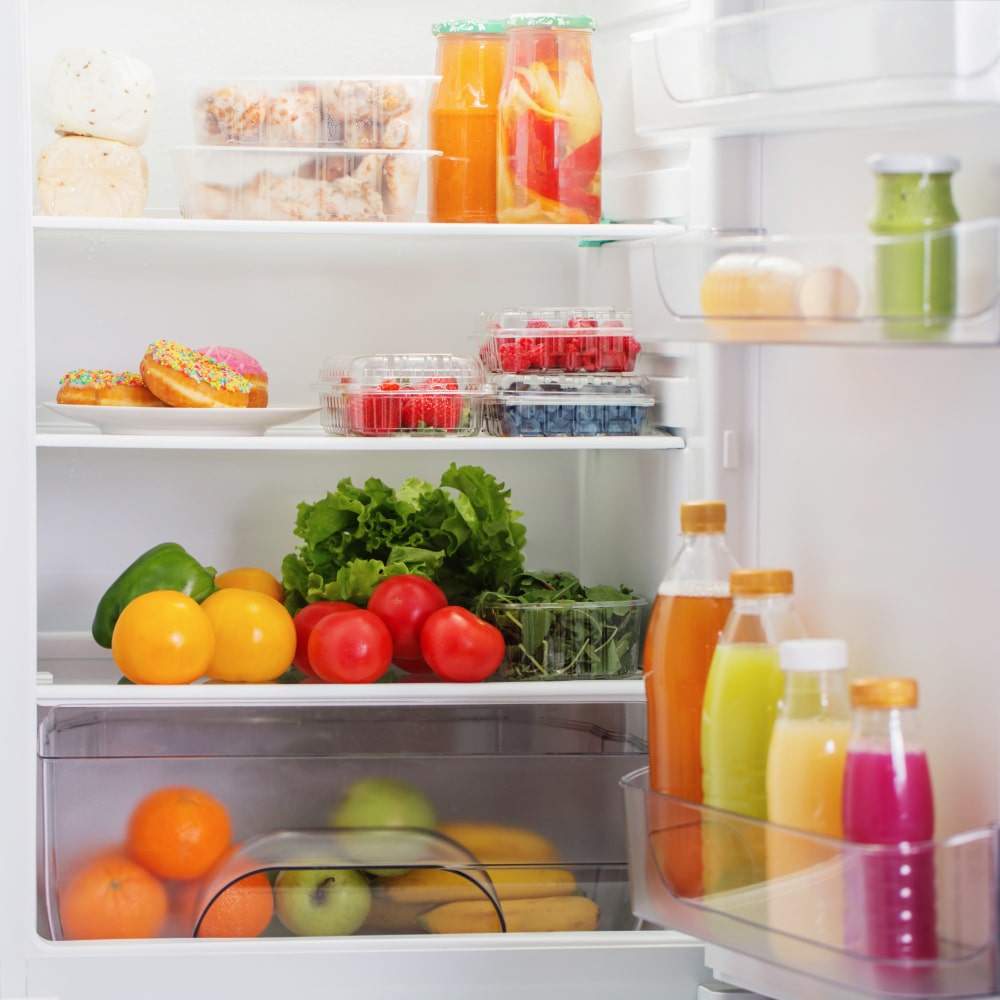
{"x": 805, "y": 777}
{"x": 550, "y": 131}
{"x": 915, "y": 271}
{"x": 463, "y": 121}
{"x": 888, "y": 800}
{"x": 691, "y": 607}
{"x": 742, "y": 695}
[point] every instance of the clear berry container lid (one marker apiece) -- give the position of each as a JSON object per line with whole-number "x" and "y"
{"x": 411, "y": 394}
{"x": 570, "y": 339}
{"x": 563, "y": 384}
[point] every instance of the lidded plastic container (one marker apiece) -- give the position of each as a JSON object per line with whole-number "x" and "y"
{"x": 549, "y": 137}
{"x": 557, "y": 338}
{"x": 462, "y": 122}
{"x": 888, "y": 800}
{"x": 410, "y": 394}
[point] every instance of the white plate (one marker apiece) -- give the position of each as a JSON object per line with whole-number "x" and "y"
{"x": 183, "y": 420}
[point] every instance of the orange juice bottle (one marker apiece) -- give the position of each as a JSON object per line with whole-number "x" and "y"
{"x": 805, "y": 780}
{"x": 691, "y": 607}
{"x": 463, "y": 121}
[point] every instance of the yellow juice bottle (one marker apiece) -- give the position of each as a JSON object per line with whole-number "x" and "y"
{"x": 742, "y": 695}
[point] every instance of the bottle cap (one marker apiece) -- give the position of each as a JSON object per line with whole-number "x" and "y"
{"x": 813, "y": 655}
{"x": 702, "y": 516}
{"x": 913, "y": 163}
{"x": 493, "y": 27}
{"x": 760, "y": 582}
{"x": 884, "y": 692}
{"x": 576, "y": 21}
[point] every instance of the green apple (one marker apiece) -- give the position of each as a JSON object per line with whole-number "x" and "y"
{"x": 322, "y": 902}
{"x": 382, "y": 801}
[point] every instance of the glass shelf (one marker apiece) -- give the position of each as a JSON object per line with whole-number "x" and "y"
{"x": 765, "y": 288}
{"x": 837, "y": 63}
{"x": 801, "y": 921}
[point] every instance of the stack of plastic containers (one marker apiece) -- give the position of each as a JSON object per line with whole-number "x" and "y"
{"x": 321, "y": 150}
{"x": 564, "y": 372}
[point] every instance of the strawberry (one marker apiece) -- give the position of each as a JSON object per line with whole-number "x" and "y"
{"x": 439, "y": 408}
{"x": 376, "y": 411}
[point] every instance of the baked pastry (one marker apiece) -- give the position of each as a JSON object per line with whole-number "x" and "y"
{"x": 103, "y": 387}
{"x": 80, "y": 175}
{"x": 183, "y": 377}
{"x": 233, "y": 114}
{"x": 247, "y": 366}
{"x": 101, "y": 94}
{"x": 293, "y": 118}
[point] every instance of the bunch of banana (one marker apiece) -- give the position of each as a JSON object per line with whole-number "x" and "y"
{"x": 551, "y": 913}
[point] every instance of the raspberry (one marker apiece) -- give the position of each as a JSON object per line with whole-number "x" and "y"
{"x": 581, "y": 322}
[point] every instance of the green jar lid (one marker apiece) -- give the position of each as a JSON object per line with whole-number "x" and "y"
{"x": 577, "y": 21}
{"x": 468, "y": 28}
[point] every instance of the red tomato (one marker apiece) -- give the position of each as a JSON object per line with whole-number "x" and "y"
{"x": 419, "y": 666}
{"x": 459, "y": 646}
{"x": 352, "y": 647}
{"x": 304, "y": 621}
{"x": 404, "y": 603}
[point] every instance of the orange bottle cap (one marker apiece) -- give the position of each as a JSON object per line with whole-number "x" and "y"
{"x": 702, "y": 516}
{"x": 884, "y": 692}
{"x": 760, "y": 582}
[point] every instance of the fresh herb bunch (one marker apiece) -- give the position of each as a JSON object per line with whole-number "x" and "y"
{"x": 462, "y": 534}
{"x": 555, "y": 627}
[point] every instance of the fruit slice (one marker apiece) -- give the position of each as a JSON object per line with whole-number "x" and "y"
{"x": 555, "y": 913}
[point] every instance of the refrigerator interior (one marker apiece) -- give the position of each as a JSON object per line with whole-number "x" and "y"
{"x": 867, "y": 469}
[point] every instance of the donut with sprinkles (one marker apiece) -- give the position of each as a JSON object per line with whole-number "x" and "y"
{"x": 180, "y": 376}
{"x": 103, "y": 387}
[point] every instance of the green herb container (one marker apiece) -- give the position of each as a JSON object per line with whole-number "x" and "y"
{"x": 569, "y": 640}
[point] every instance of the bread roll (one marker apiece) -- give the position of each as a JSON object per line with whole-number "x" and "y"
{"x": 78, "y": 175}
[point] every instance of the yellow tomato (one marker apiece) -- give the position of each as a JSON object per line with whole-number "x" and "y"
{"x": 163, "y": 637}
{"x": 254, "y": 636}
{"x": 251, "y": 578}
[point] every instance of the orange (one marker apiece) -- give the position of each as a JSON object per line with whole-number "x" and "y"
{"x": 163, "y": 637}
{"x": 178, "y": 832}
{"x": 243, "y": 909}
{"x": 112, "y": 897}
{"x": 251, "y": 578}
{"x": 254, "y": 636}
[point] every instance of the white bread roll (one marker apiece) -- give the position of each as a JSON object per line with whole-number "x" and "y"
{"x": 101, "y": 94}
{"x": 80, "y": 175}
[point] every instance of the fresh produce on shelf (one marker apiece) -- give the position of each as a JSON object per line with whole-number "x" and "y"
{"x": 163, "y": 637}
{"x": 252, "y": 578}
{"x": 439, "y": 885}
{"x": 459, "y": 646}
{"x": 555, "y": 627}
{"x": 478, "y": 916}
{"x": 242, "y": 910}
{"x": 305, "y": 620}
{"x": 462, "y": 534}
{"x": 352, "y": 647}
{"x": 254, "y": 636}
{"x": 327, "y": 902}
{"x": 500, "y": 843}
{"x": 381, "y": 800}
{"x": 404, "y": 603}
{"x": 166, "y": 566}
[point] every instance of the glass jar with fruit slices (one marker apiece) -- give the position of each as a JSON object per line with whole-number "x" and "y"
{"x": 549, "y": 136}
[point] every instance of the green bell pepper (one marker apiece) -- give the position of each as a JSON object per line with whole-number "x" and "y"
{"x": 166, "y": 566}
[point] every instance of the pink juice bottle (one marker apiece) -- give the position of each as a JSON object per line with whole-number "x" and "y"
{"x": 888, "y": 800}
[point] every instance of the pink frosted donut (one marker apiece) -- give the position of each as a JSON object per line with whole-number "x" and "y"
{"x": 247, "y": 365}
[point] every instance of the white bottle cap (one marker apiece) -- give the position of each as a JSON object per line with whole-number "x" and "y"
{"x": 813, "y": 654}
{"x": 913, "y": 163}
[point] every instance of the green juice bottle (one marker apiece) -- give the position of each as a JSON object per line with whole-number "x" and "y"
{"x": 742, "y": 695}
{"x": 915, "y": 269}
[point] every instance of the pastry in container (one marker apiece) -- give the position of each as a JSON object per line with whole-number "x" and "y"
{"x": 560, "y": 405}
{"x": 381, "y": 395}
{"x": 261, "y": 183}
{"x": 578, "y": 339}
{"x": 383, "y": 112}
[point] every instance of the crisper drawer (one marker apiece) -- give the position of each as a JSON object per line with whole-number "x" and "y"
{"x": 519, "y": 814}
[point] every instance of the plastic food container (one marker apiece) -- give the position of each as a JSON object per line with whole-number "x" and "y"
{"x": 348, "y": 112}
{"x": 568, "y": 640}
{"x": 307, "y": 185}
{"x": 419, "y": 394}
{"x": 568, "y": 405}
{"x": 582, "y": 339}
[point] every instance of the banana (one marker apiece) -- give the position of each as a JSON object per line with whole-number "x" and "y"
{"x": 498, "y": 844}
{"x": 439, "y": 885}
{"x": 552, "y": 913}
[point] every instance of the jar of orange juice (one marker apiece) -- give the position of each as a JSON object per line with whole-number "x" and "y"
{"x": 549, "y": 141}
{"x": 463, "y": 121}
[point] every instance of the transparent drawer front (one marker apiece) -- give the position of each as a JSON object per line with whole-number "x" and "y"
{"x": 803, "y": 902}
{"x": 938, "y": 287}
{"x": 851, "y": 61}
{"x": 517, "y": 826}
